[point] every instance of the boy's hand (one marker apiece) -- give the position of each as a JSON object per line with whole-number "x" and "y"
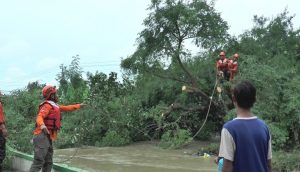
{"x": 216, "y": 160}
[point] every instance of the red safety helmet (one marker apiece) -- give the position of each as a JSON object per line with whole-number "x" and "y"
{"x": 222, "y": 53}
{"x": 236, "y": 55}
{"x": 48, "y": 90}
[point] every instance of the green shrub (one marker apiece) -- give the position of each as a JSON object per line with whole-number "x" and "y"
{"x": 284, "y": 162}
{"x": 279, "y": 136}
{"x": 115, "y": 138}
{"x": 175, "y": 139}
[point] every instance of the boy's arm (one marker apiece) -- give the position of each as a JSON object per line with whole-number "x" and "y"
{"x": 227, "y": 145}
{"x": 69, "y": 107}
{"x": 227, "y": 166}
{"x": 270, "y": 155}
{"x": 269, "y": 165}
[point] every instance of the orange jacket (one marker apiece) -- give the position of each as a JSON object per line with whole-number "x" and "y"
{"x": 43, "y": 113}
{"x": 233, "y": 67}
{"x": 222, "y": 65}
{"x": 2, "y": 116}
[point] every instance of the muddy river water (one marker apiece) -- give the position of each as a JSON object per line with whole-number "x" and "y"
{"x": 139, "y": 157}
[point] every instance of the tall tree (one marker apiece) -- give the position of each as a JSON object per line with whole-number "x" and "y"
{"x": 270, "y": 54}
{"x": 169, "y": 26}
{"x": 73, "y": 86}
{"x": 62, "y": 78}
{"x": 171, "y": 29}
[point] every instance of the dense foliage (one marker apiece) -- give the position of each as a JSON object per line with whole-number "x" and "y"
{"x": 148, "y": 102}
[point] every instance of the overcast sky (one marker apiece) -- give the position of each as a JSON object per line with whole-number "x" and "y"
{"x": 37, "y": 36}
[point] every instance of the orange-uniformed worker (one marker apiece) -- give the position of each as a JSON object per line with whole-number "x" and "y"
{"x": 233, "y": 66}
{"x": 47, "y": 127}
{"x": 222, "y": 66}
{"x": 3, "y": 134}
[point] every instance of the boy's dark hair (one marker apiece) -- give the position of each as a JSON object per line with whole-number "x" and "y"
{"x": 245, "y": 94}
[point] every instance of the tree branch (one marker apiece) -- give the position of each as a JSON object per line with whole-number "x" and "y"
{"x": 176, "y": 106}
{"x": 177, "y": 57}
{"x": 166, "y": 77}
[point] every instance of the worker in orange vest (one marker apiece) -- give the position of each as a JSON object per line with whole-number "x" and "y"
{"x": 233, "y": 66}
{"x": 3, "y": 134}
{"x": 222, "y": 66}
{"x": 47, "y": 127}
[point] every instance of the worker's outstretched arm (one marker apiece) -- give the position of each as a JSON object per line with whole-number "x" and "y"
{"x": 69, "y": 107}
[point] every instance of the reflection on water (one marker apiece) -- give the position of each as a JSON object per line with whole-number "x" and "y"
{"x": 141, "y": 157}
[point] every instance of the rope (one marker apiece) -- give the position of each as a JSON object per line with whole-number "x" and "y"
{"x": 76, "y": 150}
{"x": 70, "y": 158}
{"x": 210, "y": 102}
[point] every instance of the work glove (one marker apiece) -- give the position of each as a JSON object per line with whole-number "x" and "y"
{"x": 82, "y": 105}
{"x": 4, "y": 132}
{"x": 44, "y": 129}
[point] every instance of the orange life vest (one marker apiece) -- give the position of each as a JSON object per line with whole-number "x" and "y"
{"x": 222, "y": 65}
{"x": 52, "y": 121}
{"x": 233, "y": 66}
